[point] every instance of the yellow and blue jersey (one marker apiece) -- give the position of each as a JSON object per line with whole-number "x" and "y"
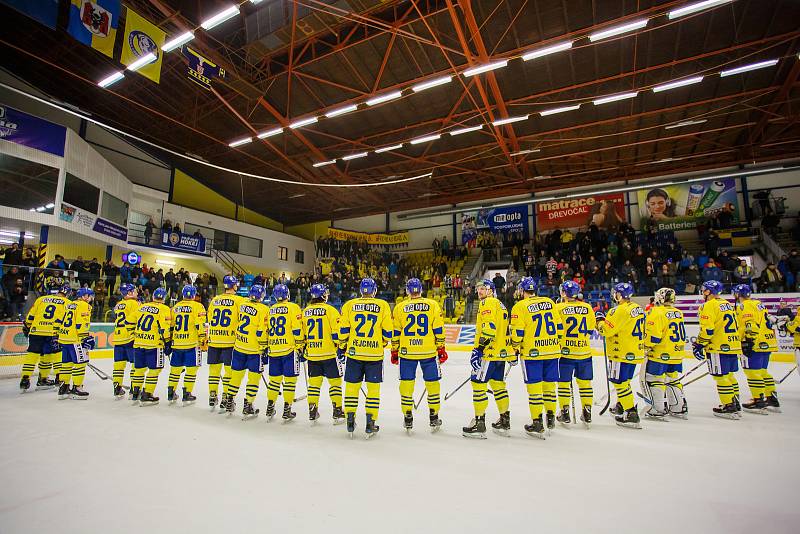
{"x": 285, "y": 328}
{"x": 535, "y": 323}
{"x": 492, "y": 325}
{"x": 578, "y": 322}
{"x": 719, "y": 328}
{"x": 188, "y": 324}
{"x": 418, "y": 328}
{"x": 74, "y": 325}
{"x": 754, "y": 324}
{"x": 665, "y": 335}
{"x": 126, "y": 313}
{"x": 624, "y": 330}
{"x": 320, "y": 330}
{"x": 365, "y": 328}
{"x": 252, "y": 329}
{"x": 43, "y": 315}
{"x": 223, "y": 318}
{"x": 793, "y": 327}
{"x": 153, "y": 327}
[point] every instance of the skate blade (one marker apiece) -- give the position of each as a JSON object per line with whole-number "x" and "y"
{"x": 351, "y": 435}
{"x": 499, "y": 432}
{"x": 435, "y": 429}
{"x": 337, "y": 422}
{"x": 147, "y": 404}
{"x": 249, "y": 417}
{"x": 481, "y": 435}
{"x": 270, "y": 418}
{"x": 287, "y": 421}
{"x": 184, "y": 404}
{"x": 568, "y": 426}
{"x": 119, "y": 397}
{"x": 634, "y": 426}
{"x": 774, "y": 409}
{"x": 659, "y": 418}
{"x": 682, "y": 416}
{"x": 586, "y": 425}
{"x": 76, "y": 397}
{"x": 537, "y": 435}
{"x": 371, "y": 435}
{"x": 64, "y": 397}
{"x": 409, "y": 431}
{"x": 730, "y": 416}
{"x": 43, "y": 388}
{"x": 759, "y": 411}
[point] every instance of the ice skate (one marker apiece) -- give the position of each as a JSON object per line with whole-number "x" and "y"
{"x": 773, "y": 405}
{"x": 223, "y": 403}
{"x": 738, "y": 406}
{"x": 476, "y": 428}
{"x": 24, "y": 384}
{"x": 351, "y": 424}
{"x": 629, "y": 419}
{"x": 270, "y": 412}
{"x": 212, "y": 400}
{"x": 502, "y": 426}
{"x": 188, "y": 399}
{"x": 171, "y": 396}
{"x": 230, "y": 405}
{"x": 63, "y": 391}
{"x": 617, "y": 409}
{"x": 44, "y": 384}
{"x": 119, "y": 392}
{"x": 148, "y": 399}
{"x": 656, "y": 415}
{"x": 586, "y": 416}
{"x": 288, "y": 415}
{"x": 338, "y": 415}
{"x": 536, "y": 428}
{"x": 550, "y": 418}
{"x": 371, "y": 428}
{"x": 436, "y": 423}
{"x": 726, "y": 411}
{"x": 248, "y": 412}
{"x": 313, "y": 413}
{"x": 77, "y": 393}
{"x": 135, "y": 395}
{"x": 408, "y": 422}
{"x": 682, "y": 413}
{"x": 564, "y": 417}
{"x": 756, "y": 406}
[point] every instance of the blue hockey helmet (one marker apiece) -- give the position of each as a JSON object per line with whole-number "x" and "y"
{"x": 66, "y": 289}
{"x": 280, "y": 292}
{"x": 126, "y": 289}
{"x": 623, "y": 289}
{"x": 528, "y": 284}
{"x": 160, "y": 294}
{"x": 485, "y": 283}
{"x": 230, "y": 282}
{"x": 256, "y": 292}
{"x": 571, "y": 289}
{"x": 714, "y": 287}
{"x": 742, "y": 290}
{"x": 414, "y": 286}
{"x": 318, "y": 291}
{"x": 189, "y": 292}
{"x": 84, "y": 292}
{"x": 368, "y": 287}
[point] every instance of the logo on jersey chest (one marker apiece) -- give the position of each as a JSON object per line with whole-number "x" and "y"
{"x": 249, "y": 310}
{"x": 224, "y": 302}
{"x": 416, "y": 307}
{"x": 183, "y": 309}
{"x": 575, "y": 310}
{"x": 314, "y": 312}
{"x": 540, "y": 306}
{"x": 367, "y": 307}
{"x": 279, "y": 310}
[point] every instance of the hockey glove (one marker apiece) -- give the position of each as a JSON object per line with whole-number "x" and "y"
{"x": 168, "y": 348}
{"x": 599, "y": 316}
{"x": 747, "y": 347}
{"x": 340, "y": 356}
{"x": 26, "y": 330}
{"x": 301, "y": 354}
{"x": 395, "y": 357}
{"x": 442, "y": 353}
{"x": 698, "y": 350}
{"x": 88, "y": 343}
{"x": 55, "y": 346}
{"x": 475, "y": 360}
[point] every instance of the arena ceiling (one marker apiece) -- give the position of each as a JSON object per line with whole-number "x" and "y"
{"x": 287, "y": 61}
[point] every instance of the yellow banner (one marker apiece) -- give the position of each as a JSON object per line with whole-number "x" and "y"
{"x": 396, "y": 238}
{"x": 141, "y": 38}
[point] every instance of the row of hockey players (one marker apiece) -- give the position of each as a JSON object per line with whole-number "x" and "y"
{"x": 552, "y": 340}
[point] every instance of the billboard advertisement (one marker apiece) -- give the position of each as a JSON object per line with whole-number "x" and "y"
{"x": 605, "y": 211}
{"x": 683, "y": 206}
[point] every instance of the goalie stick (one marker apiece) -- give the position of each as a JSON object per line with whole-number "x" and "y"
{"x": 608, "y": 381}
{"x": 98, "y": 372}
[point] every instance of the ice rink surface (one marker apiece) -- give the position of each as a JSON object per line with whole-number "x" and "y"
{"x": 106, "y": 466}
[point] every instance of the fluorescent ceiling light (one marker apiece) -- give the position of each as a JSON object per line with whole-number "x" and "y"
{"x": 685, "y": 123}
{"x": 509, "y": 120}
{"x": 388, "y": 148}
{"x": 177, "y": 42}
{"x": 355, "y": 156}
{"x": 747, "y": 68}
{"x": 341, "y": 111}
{"x": 425, "y": 139}
{"x": 466, "y": 130}
{"x": 142, "y": 61}
{"x": 523, "y": 152}
{"x": 240, "y": 142}
{"x": 298, "y": 195}
{"x": 105, "y": 82}
{"x": 614, "y": 98}
{"x": 694, "y": 8}
{"x": 547, "y": 50}
{"x": 323, "y": 163}
{"x": 269, "y": 133}
{"x": 28, "y": 235}
{"x": 433, "y": 83}
{"x": 32, "y": 209}
{"x": 220, "y": 17}
{"x": 553, "y": 111}
{"x": 679, "y": 83}
{"x": 303, "y": 122}
{"x": 41, "y": 209}
{"x": 380, "y": 99}
{"x": 257, "y": 2}
{"x": 50, "y": 206}
{"x": 617, "y": 30}
{"x": 485, "y": 68}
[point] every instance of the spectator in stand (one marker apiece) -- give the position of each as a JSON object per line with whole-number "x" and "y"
{"x": 458, "y": 284}
{"x": 436, "y": 282}
{"x": 712, "y": 272}
{"x": 551, "y": 266}
{"x": 650, "y": 276}
{"x": 667, "y": 277}
{"x": 166, "y": 227}
{"x": 446, "y": 247}
{"x": 177, "y": 228}
{"x": 499, "y": 285}
{"x": 111, "y": 272}
{"x": 692, "y": 278}
{"x": 80, "y": 268}
{"x": 609, "y": 275}
{"x": 57, "y": 263}
{"x": 770, "y": 222}
{"x": 171, "y": 283}
{"x": 578, "y": 279}
{"x": 596, "y": 279}
{"x": 469, "y": 299}
{"x": 437, "y": 246}
{"x": 771, "y": 280}
{"x": 566, "y": 237}
{"x": 702, "y": 259}
{"x": 213, "y": 284}
{"x": 13, "y": 256}
{"x": 94, "y": 269}
{"x": 18, "y": 293}
{"x": 149, "y": 226}
{"x": 125, "y": 273}
{"x": 197, "y": 234}
{"x": 743, "y": 274}
{"x": 98, "y": 307}
{"x": 783, "y": 268}
{"x": 530, "y": 264}
{"x": 628, "y": 273}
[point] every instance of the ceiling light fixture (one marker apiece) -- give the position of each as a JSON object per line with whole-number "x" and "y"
{"x": 679, "y": 83}
{"x": 142, "y": 61}
{"x": 748, "y": 68}
{"x": 523, "y": 152}
{"x": 553, "y": 111}
{"x": 617, "y": 30}
{"x": 323, "y": 163}
{"x": 298, "y": 195}
{"x": 509, "y": 120}
{"x": 41, "y": 209}
{"x": 50, "y": 206}
{"x": 685, "y": 123}
{"x": 341, "y": 111}
{"x": 546, "y": 51}
{"x": 269, "y": 133}
{"x": 614, "y": 98}
{"x": 425, "y": 139}
{"x": 433, "y": 83}
{"x": 303, "y": 122}
{"x": 485, "y": 68}
{"x": 113, "y": 78}
{"x": 177, "y": 42}
{"x": 240, "y": 142}
{"x": 380, "y": 99}
{"x": 355, "y": 156}
{"x": 220, "y": 17}
{"x": 466, "y": 130}
{"x": 388, "y": 148}
{"x": 694, "y": 8}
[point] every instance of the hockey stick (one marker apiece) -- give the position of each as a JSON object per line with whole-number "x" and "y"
{"x": 696, "y": 379}
{"x": 303, "y": 397}
{"x": 572, "y": 401}
{"x": 692, "y": 370}
{"x": 608, "y": 381}
{"x": 787, "y": 374}
{"x": 98, "y": 372}
{"x": 422, "y": 395}
{"x": 459, "y": 387}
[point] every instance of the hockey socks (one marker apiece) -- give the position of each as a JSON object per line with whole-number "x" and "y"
{"x": 214, "y": 371}
{"x": 501, "y": 394}
{"x": 480, "y": 399}
{"x": 151, "y": 380}
{"x": 314, "y": 389}
{"x": 624, "y": 394}
{"x": 406, "y": 395}
{"x": 434, "y": 395}
{"x": 251, "y": 391}
{"x": 535, "y": 400}
{"x": 351, "y": 397}
{"x": 119, "y": 372}
{"x": 373, "y": 403}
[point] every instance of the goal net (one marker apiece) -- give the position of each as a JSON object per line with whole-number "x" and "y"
{"x": 13, "y": 346}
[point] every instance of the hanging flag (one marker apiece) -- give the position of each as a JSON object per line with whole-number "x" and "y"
{"x": 201, "y": 70}
{"x": 95, "y": 23}
{"x": 42, "y": 11}
{"x": 141, "y": 38}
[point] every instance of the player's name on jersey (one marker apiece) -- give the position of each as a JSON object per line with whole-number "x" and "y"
{"x": 575, "y": 310}
{"x": 149, "y": 309}
{"x": 146, "y": 337}
{"x": 315, "y": 344}
{"x": 314, "y": 312}
{"x": 278, "y": 310}
{"x": 366, "y": 343}
{"x": 416, "y": 306}
{"x": 574, "y": 343}
{"x": 542, "y": 343}
{"x": 219, "y": 331}
{"x": 367, "y": 307}
{"x": 540, "y": 306}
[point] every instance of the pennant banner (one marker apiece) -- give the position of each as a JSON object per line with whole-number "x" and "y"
{"x": 201, "y": 70}
{"x": 42, "y": 11}
{"x": 95, "y": 23}
{"x": 141, "y": 38}
{"x": 395, "y": 238}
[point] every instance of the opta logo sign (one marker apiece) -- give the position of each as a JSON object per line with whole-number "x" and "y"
{"x": 6, "y": 126}
{"x": 501, "y": 218}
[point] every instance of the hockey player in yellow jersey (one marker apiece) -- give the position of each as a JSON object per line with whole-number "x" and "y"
{"x": 578, "y": 322}
{"x": 758, "y": 341}
{"x": 152, "y": 343}
{"x": 188, "y": 335}
{"x": 325, "y": 359}
{"x": 534, "y": 328}
{"x": 75, "y": 344}
{"x": 489, "y": 356}
{"x": 286, "y": 344}
{"x": 793, "y": 327}
{"x": 223, "y": 318}
{"x": 718, "y": 341}
{"x": 42, "y": 332}
{"x": 126, "y": 313}
{"x": 623, "y": 330}
{"x": 665, "y": 347}
{"x": 418, "y": 339}
{"x": 364, "y": 330}
{"x": 249, "y": 351}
